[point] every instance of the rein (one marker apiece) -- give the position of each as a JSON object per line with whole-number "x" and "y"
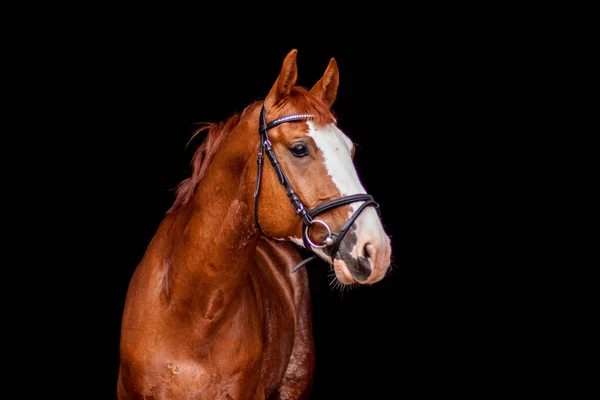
{"x": 332, "y": 240}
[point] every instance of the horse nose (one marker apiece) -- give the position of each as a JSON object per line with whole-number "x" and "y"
{"x": 361, "y": 267}
{"x": 362, "y": 270}
{"x": 364, "y": 262}
{"x": 366, "y": 251}
{"x": 373, "y": 260}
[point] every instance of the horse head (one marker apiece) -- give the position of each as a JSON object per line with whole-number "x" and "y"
{"x": 312, "y": 166}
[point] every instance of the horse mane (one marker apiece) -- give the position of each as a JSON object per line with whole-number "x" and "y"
{"x": 299, "y": 98}
{"x": 216, "y": 132}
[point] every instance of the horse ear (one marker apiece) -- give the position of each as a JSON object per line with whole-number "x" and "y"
{"x": 326, "y": 88}
{"x": 286, "y": 80}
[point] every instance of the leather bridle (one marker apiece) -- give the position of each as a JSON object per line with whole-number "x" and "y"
{"x": 332, "y": 240}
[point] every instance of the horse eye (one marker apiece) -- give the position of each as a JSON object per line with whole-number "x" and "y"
{"x": 299, "y": 150}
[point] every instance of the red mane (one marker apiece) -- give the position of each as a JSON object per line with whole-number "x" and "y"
{"x": 202, "y": 157}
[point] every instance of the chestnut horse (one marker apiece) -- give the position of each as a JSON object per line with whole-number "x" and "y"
{"x": 218, "y": 307}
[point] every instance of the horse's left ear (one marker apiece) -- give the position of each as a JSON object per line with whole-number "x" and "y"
{"x": 326, "y": 88}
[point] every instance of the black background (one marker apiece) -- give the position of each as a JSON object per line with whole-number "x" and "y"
{"x": 459, "y": 114}
{"x": 425, "y": 111}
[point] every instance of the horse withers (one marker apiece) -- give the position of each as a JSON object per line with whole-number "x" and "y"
{"x": 219, "y": 306}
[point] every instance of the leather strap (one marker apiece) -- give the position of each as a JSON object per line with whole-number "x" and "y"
{"x": 307, "y": 216}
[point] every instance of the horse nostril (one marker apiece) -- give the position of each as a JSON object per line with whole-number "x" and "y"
{"x": 363, "y": 270}
{"x": 366, "y": 253}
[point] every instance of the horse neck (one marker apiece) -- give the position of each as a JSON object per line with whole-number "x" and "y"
{"x": 214, "y": 240}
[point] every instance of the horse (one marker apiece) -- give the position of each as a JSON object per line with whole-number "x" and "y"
{"x": 219, "y": 305}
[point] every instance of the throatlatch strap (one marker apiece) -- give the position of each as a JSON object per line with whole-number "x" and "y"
{"x": 257, "y": 187}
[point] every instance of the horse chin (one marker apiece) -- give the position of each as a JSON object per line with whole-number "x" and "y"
{"x": 342, "y": 273}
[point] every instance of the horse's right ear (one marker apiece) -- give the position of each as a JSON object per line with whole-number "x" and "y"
{"x": 284, "y": 83}
{"x": 326, "y": 88}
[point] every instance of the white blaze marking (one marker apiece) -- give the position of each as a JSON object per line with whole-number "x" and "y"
{"x": 336, "y": 148}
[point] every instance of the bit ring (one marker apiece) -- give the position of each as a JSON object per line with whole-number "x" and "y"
{"x": 328, "y": 239}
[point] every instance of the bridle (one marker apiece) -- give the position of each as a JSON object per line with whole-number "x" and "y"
{"x": 332, "y": 240}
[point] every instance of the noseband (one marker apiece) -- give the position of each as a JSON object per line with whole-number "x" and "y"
{"x": 332, "y": 240}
